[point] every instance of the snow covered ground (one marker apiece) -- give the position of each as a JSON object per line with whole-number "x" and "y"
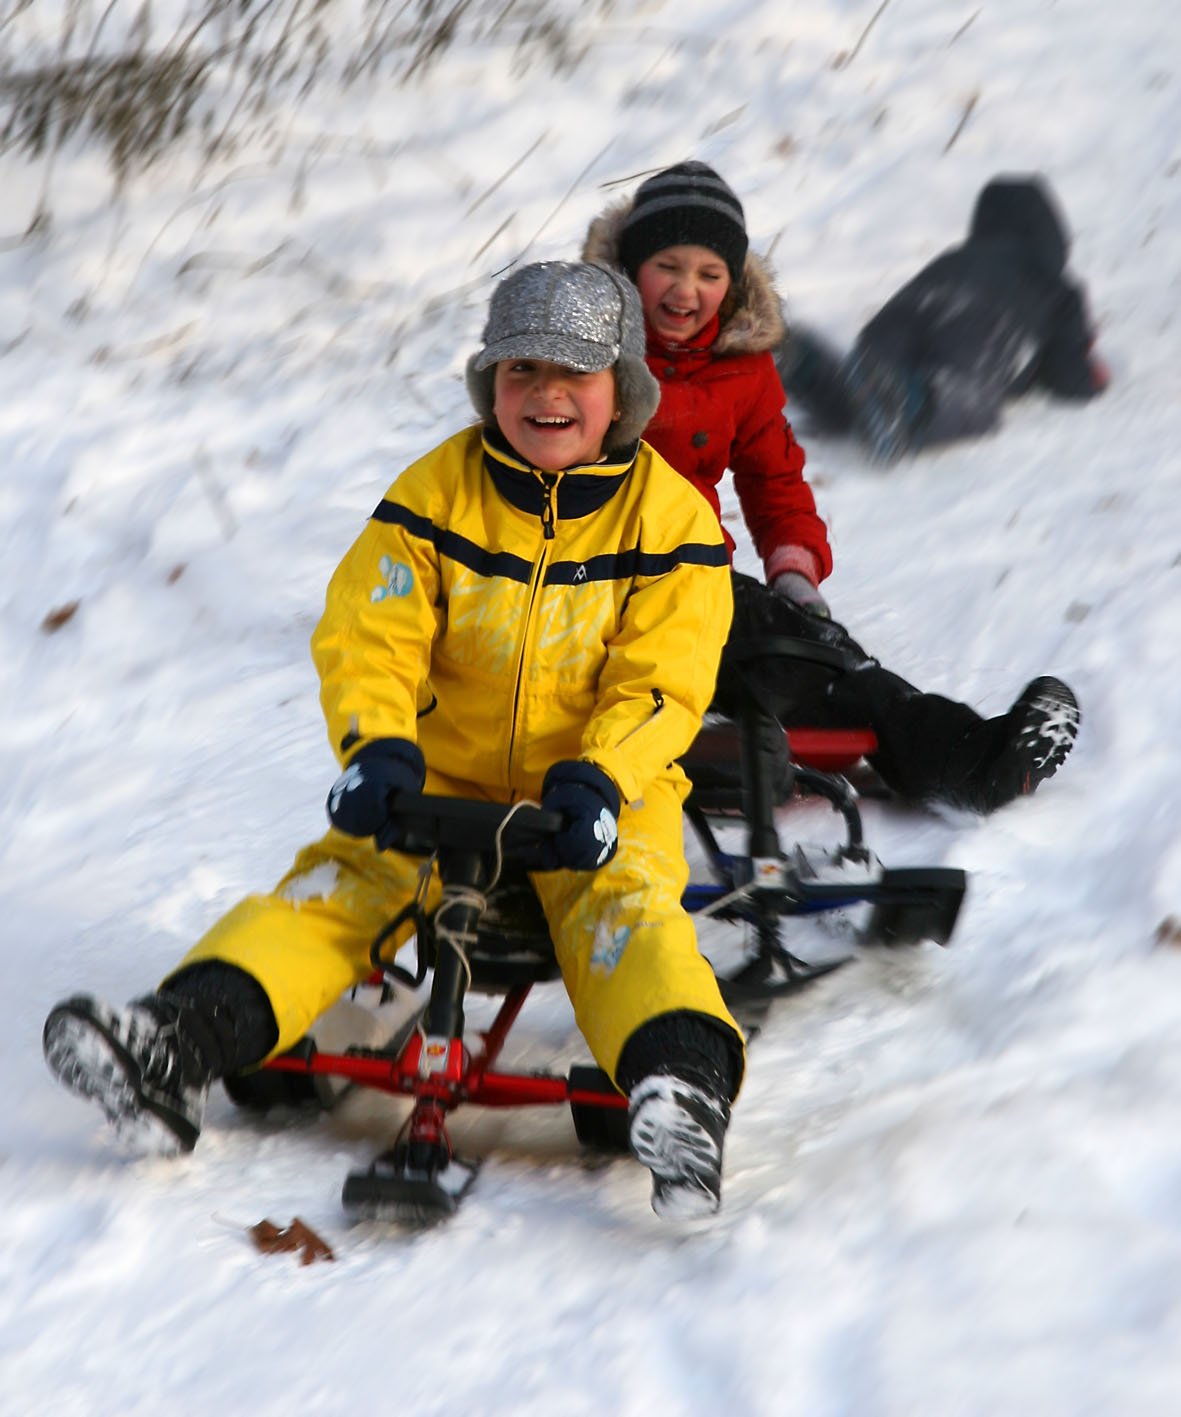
{"x": 954, "y": 1176}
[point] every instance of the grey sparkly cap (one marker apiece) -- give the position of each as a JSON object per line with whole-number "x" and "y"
{"x": 578, "y": 314}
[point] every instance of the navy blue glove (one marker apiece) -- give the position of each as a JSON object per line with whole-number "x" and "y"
{"x": 588, "y": 801}
{"x": 359, "y": 802}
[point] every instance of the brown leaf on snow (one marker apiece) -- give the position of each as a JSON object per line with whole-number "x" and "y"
{"x": 299, "y": 1237}
{"x": 60, "y": 616}
{"x": 1168, "y": 932}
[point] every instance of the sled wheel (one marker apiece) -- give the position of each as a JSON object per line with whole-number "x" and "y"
{"x": 599, "y": 1128}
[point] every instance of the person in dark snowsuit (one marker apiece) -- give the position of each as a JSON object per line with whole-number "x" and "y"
{"x": 712, "y": 321}
{"x": 982, "y": 323}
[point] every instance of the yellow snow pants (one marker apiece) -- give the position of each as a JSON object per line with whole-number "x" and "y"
{"x": 625, "y": 944}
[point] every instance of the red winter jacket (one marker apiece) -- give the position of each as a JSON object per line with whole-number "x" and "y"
{"x": 726, "y": 411}
{"x": 721, "y": 406}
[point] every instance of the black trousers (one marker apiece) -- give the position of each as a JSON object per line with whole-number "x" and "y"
{"x": 929, "y": 748}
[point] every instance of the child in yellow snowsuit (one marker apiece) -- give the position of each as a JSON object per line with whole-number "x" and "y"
{"x": 534, "y": 611}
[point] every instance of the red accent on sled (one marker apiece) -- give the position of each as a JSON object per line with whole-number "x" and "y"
{"x": 830, "y": 749}
{"x": 468, "y": 1077}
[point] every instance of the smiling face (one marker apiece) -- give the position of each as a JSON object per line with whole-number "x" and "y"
{"x": 681, "y": 289}
{"x": 555, "y": 417}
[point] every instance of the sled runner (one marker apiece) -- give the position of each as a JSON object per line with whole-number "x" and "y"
{"x": 488, "y": 935}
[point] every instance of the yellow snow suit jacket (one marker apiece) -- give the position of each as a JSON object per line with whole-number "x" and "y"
{"x": 506, "y": 618}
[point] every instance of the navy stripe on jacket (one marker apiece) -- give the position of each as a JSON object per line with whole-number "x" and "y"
{"x": 611, "y": 566}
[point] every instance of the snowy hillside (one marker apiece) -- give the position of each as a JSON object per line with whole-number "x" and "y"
{"x": 953, "y": 1176}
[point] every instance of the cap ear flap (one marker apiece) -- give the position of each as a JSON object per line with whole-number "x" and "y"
{"x": 637, "y": 396}
{"x": 481, "y": 387}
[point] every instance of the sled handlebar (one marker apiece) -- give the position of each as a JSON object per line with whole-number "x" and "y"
{"x": 436, "y": 823}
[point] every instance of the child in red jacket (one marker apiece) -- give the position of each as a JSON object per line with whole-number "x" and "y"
{"x": 713, "y": 320}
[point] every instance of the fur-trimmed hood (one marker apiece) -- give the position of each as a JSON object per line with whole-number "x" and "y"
{"x": 754, "y": 323}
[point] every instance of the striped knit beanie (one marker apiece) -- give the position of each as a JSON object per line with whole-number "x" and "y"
{"x": 685, "y": 205}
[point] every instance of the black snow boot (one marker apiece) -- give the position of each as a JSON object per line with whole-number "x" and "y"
{"x": 146, "y": 1065}
{"x": 676, "y": 1129}
{"x": 1038, "y": 732}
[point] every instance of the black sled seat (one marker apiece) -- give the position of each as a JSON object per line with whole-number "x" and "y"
{"x": 784, "y": 660}
{"x": 764, "y": 672}
{"x": 743, "y": 760}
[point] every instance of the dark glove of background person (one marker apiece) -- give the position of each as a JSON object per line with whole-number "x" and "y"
{"x": 588, "y": 801}
{"x": 797, "y": 588}
{"x": 359, "y": 803}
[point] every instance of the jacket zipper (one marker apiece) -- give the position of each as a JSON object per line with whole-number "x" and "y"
{"x": 658, "y": 701}
{"x": 549, "y": 481}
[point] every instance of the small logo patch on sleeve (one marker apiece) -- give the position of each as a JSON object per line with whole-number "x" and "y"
{"x": 399, "y": 580}
{"x": 608, "y": 948}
